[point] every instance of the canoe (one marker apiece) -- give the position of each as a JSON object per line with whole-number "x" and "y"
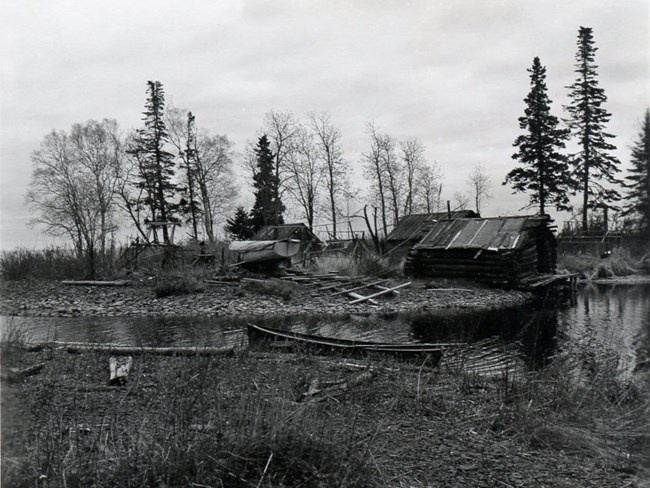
{"x": 409, "y": 351}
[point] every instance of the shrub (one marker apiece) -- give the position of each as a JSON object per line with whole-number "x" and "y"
{"x": 51, "y": 263}
{"x": 168, "y": 285}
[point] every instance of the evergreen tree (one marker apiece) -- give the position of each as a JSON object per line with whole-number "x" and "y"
{"x": 268, "y": 207}
{"x": 155, "y": 164}
{"x": 190, "y": 205}
{"x": 593, "y": 163}
{"x": 239, "y": 227}
{"x": 544, "y": 172}
{"x": 638, "y": 181}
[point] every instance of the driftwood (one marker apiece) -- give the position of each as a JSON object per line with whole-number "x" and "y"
{"x": 368, "y": 285}
{"x": 383, "y": 292}
{"x": 315, "y": 394}
{"x": 160, "y": 351}
{"x": 96, "y": 283}
{"x": 16, "y": 374}
{"x": 119, "y": 370}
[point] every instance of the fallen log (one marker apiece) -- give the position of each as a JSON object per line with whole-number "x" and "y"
{"x": 160, "y": 351}
{"x": 15, "y": 374}
{"x": 119, "y": 370}
{"x": 95, "y": 283}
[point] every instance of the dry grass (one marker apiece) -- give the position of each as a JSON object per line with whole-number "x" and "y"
{"x": 242, "y": 421}
{"x": 618, "y": 264}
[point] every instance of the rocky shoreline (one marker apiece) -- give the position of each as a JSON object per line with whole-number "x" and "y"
{"x": 54, "y": 299}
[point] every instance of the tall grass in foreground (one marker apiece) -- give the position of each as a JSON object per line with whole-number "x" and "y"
{"x": 180, "y": 422}
{"x": 579, "y": 407}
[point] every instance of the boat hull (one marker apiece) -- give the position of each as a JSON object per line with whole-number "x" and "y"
{"x": 258, "y": 251}
{"x": 289, "y": 340}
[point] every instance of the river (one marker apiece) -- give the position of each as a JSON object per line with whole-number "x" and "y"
{"x": 610, "y": 321}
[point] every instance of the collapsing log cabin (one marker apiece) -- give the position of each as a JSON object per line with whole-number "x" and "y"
{"x": 497, "y": 250}
{"x": 412, "y": 228}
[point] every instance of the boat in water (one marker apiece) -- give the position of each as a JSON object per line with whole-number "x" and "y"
{"x": 295, "y": 340}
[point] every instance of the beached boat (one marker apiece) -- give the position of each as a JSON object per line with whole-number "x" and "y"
{"x": 256, "y": 251}
{"x": 409, "y": 351}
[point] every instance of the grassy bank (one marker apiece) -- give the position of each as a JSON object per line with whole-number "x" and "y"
{"x": 618, "y": 264}
{"x": 263, "y": 419}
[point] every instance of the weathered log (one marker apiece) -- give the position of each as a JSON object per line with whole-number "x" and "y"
{"x": 161, "y": 351}
{"x": 119, "y": 370}
{"x": 95, "y": 283}
{"x": 16, "y": 374}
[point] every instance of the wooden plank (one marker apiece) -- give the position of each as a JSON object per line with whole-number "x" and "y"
{"x": 386, "y": 288}
{"x": 383, "y": 292}
{"x": 343, "y": 292}
{"x": 361, "y": 297}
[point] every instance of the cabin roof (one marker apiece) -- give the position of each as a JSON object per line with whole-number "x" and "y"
{"x": 494, "y": 233}
{"x": 285, "y": 231}
{"x": 414, "y": 225}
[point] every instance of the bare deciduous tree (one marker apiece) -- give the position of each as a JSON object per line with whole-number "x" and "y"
{"x": 384, "y": 173}
{"x": 283, "y": 131}
{"x": 208, "y": 174}
{"x": 429, "y": 189}
{"x": 413, "y": 165}
{"x": 328, "y": 142}
{"x": 305, "y": 173}
{"x": 480, "y": 184}
{"x": 74, "y": 184}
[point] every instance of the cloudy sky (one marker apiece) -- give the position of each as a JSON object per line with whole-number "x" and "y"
{"x": 452, "y": 74}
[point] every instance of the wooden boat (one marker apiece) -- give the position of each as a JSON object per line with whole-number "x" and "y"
{"x": 408, "y": 351}
{"x": 256, "y": 251}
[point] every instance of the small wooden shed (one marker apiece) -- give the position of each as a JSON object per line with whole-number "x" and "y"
{"x": 497, "y": 250}
{"x": 412, "y": 228}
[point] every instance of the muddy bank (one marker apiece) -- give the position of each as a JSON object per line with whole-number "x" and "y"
{"x": 54, "y": 299}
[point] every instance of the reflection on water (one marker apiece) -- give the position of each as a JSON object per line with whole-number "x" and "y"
{"x": 606, "y": 318}
{"x": 611, "y": 320}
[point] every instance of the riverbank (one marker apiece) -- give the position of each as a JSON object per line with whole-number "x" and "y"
{"x": 41, "y": 298}
{"x": 260, "y": 419}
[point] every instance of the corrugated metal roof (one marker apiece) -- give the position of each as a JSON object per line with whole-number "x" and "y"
{"x": 496, "y": 233}
{"x": 414, "y": 225}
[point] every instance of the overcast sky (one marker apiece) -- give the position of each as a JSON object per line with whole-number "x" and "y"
{"x": 451, "y": 73}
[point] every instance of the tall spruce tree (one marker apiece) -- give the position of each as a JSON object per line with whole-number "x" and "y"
{"x": 593, "y": 163}
{"x": 155, "y": 163}
{"x": 544, "y": 171}
{"x": 638, "y": 181}
{"x": 268, "y": 207}
{"x": 190, "y": 205}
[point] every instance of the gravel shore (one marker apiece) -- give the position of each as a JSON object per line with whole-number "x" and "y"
{"x": 54, "y": 299}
